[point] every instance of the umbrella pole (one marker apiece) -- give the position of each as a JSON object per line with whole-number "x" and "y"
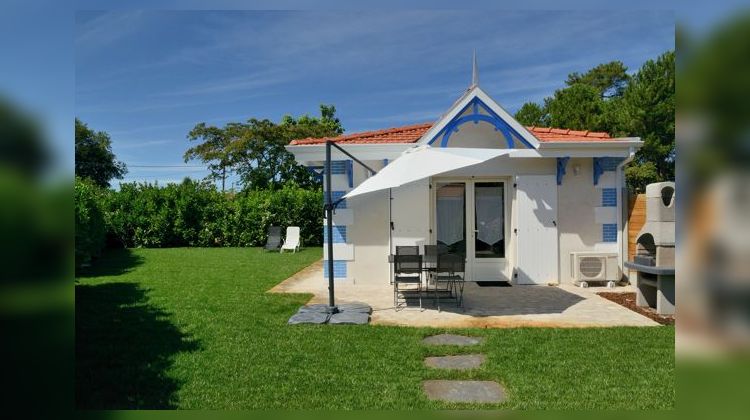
{"x": 329, "y": 227}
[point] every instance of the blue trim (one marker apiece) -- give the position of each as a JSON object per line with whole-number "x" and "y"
{"x": 350, "y": 172}
{"x": 598, "y": 170}
{"x": 610, "y": 163}
{"x": 339, "y": 269}
{"x": 609, "y": 197}
{"x": 338, "y": 167}
{"x": 562, "y": 162}
{"x": 335, "y": 195}
{"x": 609, "y": 232}
{"x": 339, "y": 234}
{"x": 475, "y": 117}
{"x": 605, "y": 163}
{"x": 317, "y": 171}
{"x": 385, "y": 162}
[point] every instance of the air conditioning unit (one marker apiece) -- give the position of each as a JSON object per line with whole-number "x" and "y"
{"x": 594, "y": 266}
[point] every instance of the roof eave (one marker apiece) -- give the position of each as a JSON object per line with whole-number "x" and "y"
{"x": 622, "y": 142}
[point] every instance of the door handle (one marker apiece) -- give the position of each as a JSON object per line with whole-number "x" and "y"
{"x": 554, "y": 222}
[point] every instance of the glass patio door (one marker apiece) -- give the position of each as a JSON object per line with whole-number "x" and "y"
{"x": 471, "y": 220}
{"x": 488, "y": 227}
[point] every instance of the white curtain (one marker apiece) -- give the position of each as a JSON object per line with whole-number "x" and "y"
{"x": 489, "y": 213}
{"x": 450, "y": 213}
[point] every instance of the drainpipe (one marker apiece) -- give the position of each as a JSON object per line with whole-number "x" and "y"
{"x": 622, "y": 235}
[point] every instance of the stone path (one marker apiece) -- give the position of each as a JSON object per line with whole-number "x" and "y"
{"x": 460, "y": 362}
{"x": 452, "y": 340}
{"x": 458, "y": 390}
{"x": 355, "y": 313}
{"x": 464, "y": 391}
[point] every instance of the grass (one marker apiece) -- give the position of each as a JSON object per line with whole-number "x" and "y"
{"x": 195, "y": 328}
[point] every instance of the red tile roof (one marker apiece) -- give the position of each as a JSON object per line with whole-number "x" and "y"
{"x": 406, "y": 134}
{"x": 412, "y": 133}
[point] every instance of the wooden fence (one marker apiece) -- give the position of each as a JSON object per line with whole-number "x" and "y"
{"x": 636, "y": 220}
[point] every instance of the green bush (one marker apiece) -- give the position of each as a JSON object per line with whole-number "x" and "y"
{"x": 196, "y": 214}
{"x": 89, "y": 221}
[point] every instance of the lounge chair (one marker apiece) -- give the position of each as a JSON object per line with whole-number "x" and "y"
{"x": 292, "y": 239}
{"x": 274, "y": 238}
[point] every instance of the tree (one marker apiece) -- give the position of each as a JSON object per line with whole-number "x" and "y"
{"x": 532, "y": 114}
{"x": 213, "y": 151}
{"x": 262, "y": 162}
{"x": 648, "y": 111}
{"x": 21, "y": 144}
{"x": 94, "y": 157}
{"x": 577, "y": 107}
{"x": 255, "y": 149}
{"x": 610, "y": 79}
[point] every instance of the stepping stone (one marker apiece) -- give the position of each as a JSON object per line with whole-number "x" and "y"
{"x": 462, "y": 362}
{"x": 451, "y": 340}
{"x": 308, "y": 318}
{"x": 354, "y": 318}
{"x": 317, "y": 307}
{"x": 464, "y": 391}
{"x": 355, "y": 307}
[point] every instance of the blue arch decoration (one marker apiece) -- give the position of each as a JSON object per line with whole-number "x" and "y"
{"x": 476, "y": 117}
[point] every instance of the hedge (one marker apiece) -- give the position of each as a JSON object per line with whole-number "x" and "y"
{"x": 89, "y": 221}
{"x": 196, "y": 214}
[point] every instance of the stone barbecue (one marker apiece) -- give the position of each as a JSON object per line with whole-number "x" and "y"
{"x": 655, "y": 250}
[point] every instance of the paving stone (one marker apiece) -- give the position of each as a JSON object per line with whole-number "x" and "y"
{"x": 464, "y": 391}
{"x": 461, "y": 362}
{"x": 317, "y": 307}
{"x": 355, "y": 307}
{"x": 308, "y": 318}
{"x": 358, "y": 318}
{"x": 451, "y": 340}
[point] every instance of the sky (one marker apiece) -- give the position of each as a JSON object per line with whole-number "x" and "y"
{"x": 147, "y": 77}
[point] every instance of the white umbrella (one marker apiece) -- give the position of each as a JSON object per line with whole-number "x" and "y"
{"x": 423, "y": 162}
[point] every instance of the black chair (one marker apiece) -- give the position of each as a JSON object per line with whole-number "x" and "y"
{"x": 450, "y": 272}
{"x": 407, "y": 271}
{"x": 407, "y": 250}
{"x": 431, "y": 253}
{"x": 274, "y": 238}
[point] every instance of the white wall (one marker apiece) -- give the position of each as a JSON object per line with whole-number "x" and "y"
{"x": 578, "y": 200}
{"x": 369, "y": 232}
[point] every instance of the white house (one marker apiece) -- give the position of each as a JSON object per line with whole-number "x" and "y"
{"x": 523, "y": 215}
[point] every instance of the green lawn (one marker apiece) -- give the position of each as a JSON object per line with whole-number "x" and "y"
{"x": 194, "y": 328}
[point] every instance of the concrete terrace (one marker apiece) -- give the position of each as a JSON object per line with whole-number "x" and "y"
{"x": 484, "y": 307}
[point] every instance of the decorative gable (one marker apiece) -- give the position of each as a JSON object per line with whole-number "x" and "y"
{"x": 476, "y": 120}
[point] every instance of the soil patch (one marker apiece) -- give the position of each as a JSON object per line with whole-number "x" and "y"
{"x": 628, "y": 300}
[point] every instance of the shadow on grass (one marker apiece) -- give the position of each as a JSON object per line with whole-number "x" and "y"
{"x": 113, "y": 262}
{"x": 124, "y": 347}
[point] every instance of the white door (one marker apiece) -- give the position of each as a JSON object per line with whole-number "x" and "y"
{"x": 537, "y": 239}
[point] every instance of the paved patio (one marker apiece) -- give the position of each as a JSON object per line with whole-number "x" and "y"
{"x": 494, "y": 307}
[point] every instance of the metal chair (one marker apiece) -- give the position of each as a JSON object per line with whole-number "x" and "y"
{"x": 431, "y": 253}
{"x": 407, "y": 271}
{"x": 450, "y": 271}
{"x": 407, "y": 250}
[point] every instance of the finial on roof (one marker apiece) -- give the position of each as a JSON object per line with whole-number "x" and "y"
{"x": 474, "y": 71}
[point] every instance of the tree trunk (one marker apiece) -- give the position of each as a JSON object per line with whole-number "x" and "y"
{"x": 223, "y": 177}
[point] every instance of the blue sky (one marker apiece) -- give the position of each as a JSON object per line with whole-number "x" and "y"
{"x": 147, "y": 77}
